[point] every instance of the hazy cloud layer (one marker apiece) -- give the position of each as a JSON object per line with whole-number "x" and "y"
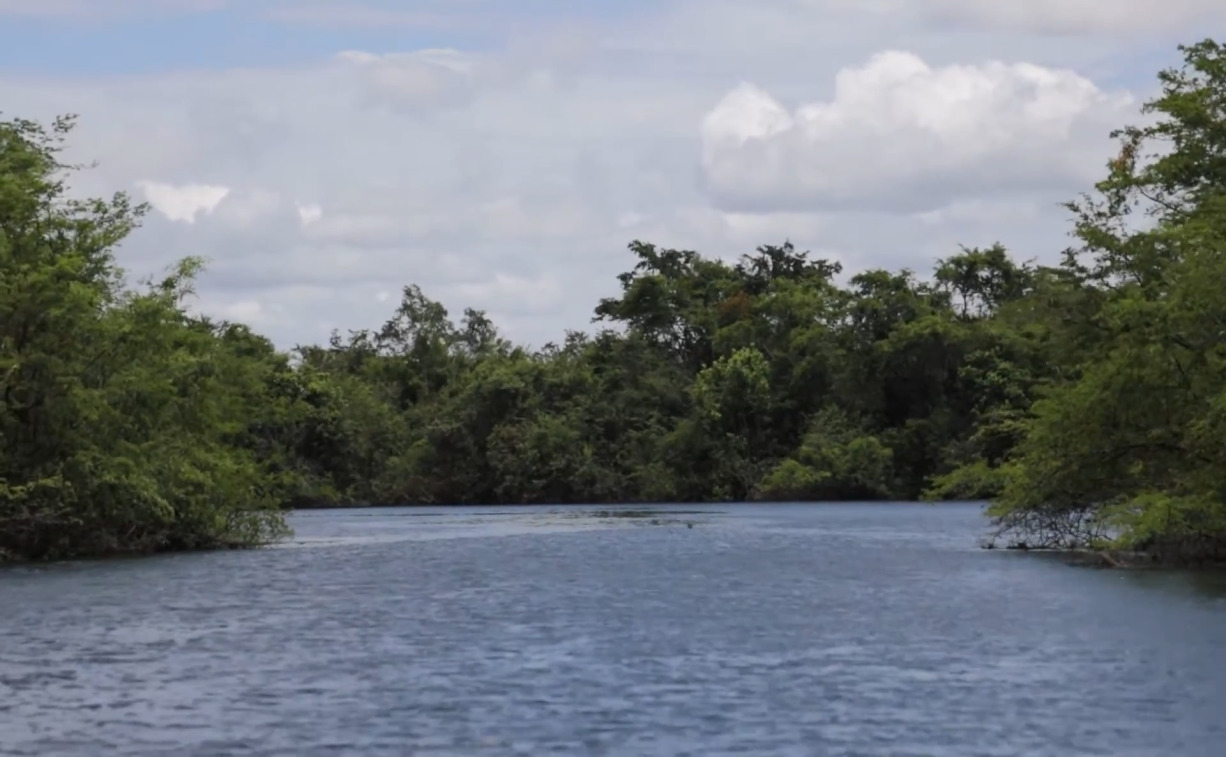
{"x": 511, "y": 178}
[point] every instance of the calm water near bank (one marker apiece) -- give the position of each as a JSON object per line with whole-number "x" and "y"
{"x": 755, "y": 629}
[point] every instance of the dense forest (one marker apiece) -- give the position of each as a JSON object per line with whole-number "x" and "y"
{"x": 1087, "y": 399}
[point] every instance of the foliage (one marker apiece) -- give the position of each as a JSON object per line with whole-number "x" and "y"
{"x": 1127, "y": 445}
{"x": 120, "y": 411}
{"x": 1087, "y": 399}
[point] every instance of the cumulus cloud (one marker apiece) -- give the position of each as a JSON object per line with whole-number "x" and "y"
{"x": 898, "y": 133}
{"x": 185, "y": 202}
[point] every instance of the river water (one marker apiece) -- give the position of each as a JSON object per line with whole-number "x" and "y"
{"x": 745, "y": 629}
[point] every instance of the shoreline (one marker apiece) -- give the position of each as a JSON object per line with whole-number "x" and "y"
{"x": 1119, "y": 559}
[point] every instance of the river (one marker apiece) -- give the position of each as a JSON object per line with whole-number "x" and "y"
{"x": 865, "y": 629}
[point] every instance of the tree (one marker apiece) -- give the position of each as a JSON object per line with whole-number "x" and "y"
{"x": 116, "y": 406}
{"x": 1128, "y": 450}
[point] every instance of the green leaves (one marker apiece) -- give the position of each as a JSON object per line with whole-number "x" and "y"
{"x": 119, "y": 411}
{"x": 1129, "y": 445}
{"x": 837, "y": 460}
{"x": 728, "y": 382}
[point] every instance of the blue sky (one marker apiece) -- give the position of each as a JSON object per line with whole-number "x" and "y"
{"x": 510, "y": 171}
{"x": 225, "y": 38}
{"x": 121, "y": 37}
{"x": 111, "y": 40}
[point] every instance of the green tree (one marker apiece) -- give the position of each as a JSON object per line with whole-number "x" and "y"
{"x": 117, "y": 406}
{"x": 1128, "y": 449}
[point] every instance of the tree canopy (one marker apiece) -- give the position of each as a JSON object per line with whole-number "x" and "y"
{"x": 1086, "y": 399}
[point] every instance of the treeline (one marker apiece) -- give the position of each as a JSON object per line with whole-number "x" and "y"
{"x": 1087, "y": 398}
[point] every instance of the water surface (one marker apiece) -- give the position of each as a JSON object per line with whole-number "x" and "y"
{"x": 758, "y": 629}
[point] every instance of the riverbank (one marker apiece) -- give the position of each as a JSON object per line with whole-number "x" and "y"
{"x": 1131, "y": 560}
{"x": 1122, "y": 559}
{"x": 9, "y": 557}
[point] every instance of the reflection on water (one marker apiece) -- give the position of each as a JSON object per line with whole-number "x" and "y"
{"x": 839, "y": 630}
{"x": 372, "y": 525}
{"x": 1208, "y": 585}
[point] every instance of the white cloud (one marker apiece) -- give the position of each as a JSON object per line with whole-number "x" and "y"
{"x": 503, "y": 292}
{"x": 309, "y": 214}
{"x": 244, "y": 311}
{"x": 183, "y": 203}
{"x": 512, "y": 178}
{"x": 417, "y": 81}
{"x": 1001, "y": 212}
{"x": 898, "y": 133}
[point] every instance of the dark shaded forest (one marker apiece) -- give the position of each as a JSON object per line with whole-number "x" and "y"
{"x": 1086, "y": 399}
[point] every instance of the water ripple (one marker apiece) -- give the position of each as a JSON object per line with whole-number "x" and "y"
{"x": 848, "y": 630}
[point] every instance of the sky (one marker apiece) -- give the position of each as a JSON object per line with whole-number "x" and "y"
{"x": 322, "y": 155}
